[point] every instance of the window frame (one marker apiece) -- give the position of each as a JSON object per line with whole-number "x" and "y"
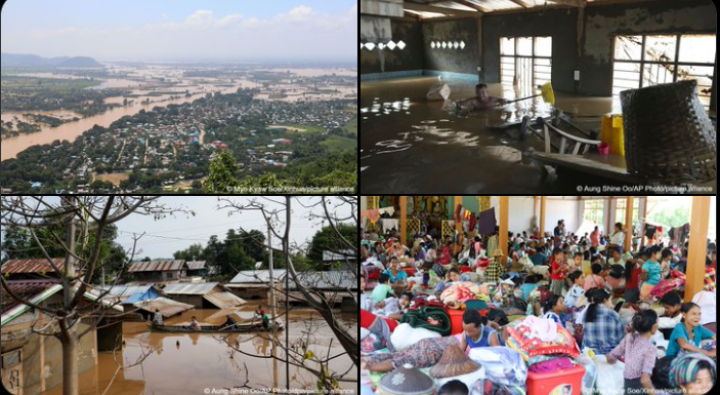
{"x": 676, "y": 64}
{"x": 533, "y": 57}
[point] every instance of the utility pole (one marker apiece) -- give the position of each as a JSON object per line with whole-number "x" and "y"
{"x": 272, "y": 277}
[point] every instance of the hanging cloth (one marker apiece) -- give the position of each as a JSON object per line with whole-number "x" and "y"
{"x": 458, "y": 210}
{"x": 472, "y": 223}
{"x": 487, "y": 222}
{"x": 373, "y": 215}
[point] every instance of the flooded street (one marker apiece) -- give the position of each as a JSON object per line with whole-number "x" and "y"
{"x": 411, "y": 144}
{"x": 191, "y": 363}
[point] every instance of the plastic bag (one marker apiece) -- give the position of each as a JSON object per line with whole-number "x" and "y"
{"x": 405, "y": 336}
{"x": 611, "y": 376}
{"x": 588, "y": 382}
{"x": 502, "y": 365}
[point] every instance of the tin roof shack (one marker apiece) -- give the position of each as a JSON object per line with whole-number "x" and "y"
{"x": 31, "y": 269}
{"x": 203, "y": 295}
{"x": 143, "y": 300}
{"x": 31, "y": 363}
{"x": 336, "y": 286}
{"x": 158, "y": 271}
{"x": 255, "y": 284}
{"x": 344, "y": 260}
{"x": 197, "y": 269}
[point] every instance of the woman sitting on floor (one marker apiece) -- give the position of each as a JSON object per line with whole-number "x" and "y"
{"x": 689, "y": 334}
{"x": 602, "y": 326}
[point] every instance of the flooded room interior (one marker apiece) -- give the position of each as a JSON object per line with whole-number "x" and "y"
{"x": 538, "y": 96}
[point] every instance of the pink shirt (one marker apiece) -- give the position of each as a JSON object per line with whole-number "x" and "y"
{"x": 594, "y": 281}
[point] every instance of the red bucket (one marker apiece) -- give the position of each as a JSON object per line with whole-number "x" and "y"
{"x": 604, "y": 149}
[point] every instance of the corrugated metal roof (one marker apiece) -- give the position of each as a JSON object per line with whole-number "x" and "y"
{"x": 157, "y": 266}
{"x": 189, "y": 288}
{"x": 196, "y": 265}
{"x": 167, "y": 307}
{"x": 31, "y": 266}
{"x": 257, "y": 276}
{"x": 125, "y": 291}
{"x": 326, "y": 280}
{"x": 24, "y": 289}
{"x": 224, "y": 299}
{"x": 345, "y": 254}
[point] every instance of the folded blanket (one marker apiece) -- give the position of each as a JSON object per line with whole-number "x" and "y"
{"x": 419, "y": 319}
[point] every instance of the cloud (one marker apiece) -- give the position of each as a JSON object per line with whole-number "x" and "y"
{"x": 200, "y": 17}
{"x": 230, "y": 20}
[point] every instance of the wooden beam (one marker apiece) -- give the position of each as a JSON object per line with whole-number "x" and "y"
{"x": 643, "y": 222}
{"x": 572, "y": 3}
{"x": 472, "y": 5}
{"x": 503, "y": 239}
{"x": 628, "y": 223}
{"x": 520, "y": 3}
{"x": 403, "y": 220}
{"x": 542, "y": 215}
{"x": 608, "y": 222}
{"x": 697, "y": 251}
{"x": 535, "y": 207}
{"x": 439, "y": 10}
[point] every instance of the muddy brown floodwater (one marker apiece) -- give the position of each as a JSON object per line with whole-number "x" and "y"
{"x": 204, "y": 361}
{"x": 411, "y": 145}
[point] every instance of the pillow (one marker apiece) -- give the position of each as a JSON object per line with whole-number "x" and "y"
{"x": 564, "y": 342}
{"x": 405, "y": 336}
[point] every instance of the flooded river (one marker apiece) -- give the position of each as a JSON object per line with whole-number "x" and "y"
{"x": 191, "y": 363}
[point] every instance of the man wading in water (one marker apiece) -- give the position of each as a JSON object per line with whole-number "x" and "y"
{"x": 482, "y": 101}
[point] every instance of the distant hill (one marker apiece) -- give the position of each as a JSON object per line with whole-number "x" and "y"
{"x": 15, "y": 60}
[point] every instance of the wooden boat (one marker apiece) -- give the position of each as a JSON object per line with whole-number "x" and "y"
{"x": 242, "y": 328}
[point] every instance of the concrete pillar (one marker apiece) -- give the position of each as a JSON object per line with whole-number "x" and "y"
{"x": 697, "y": 251}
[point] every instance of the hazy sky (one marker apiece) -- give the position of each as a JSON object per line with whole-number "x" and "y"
{"x": 182, "y": 29}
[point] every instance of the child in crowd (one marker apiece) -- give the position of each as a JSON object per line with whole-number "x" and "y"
{"x": 577, "y": 262}
{"x": 693, "y": 373}
{"x": 453, "y": 275}
{"x": 650, "y": 273}
{"x": 559, "y": 271}
{"x": 553, "y": 309}
{"x": 476, "y": 334}
{"x": 382, "y": 290}
{"x": 532, "y": 281}
{"x": 404, "y": 304}
{"x": 639, "y": 353}
{"x": 688, "y": 334}
{"x": 576, "y": 290}
{"x": 671, "y": 303}
{"x": 595, "y": 280}
{"x": 632, "y": 277}
{"x": 665, "y": 261}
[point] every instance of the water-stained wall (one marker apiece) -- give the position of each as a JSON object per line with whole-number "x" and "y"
{"x": 409, "y": 58}
{"x": 464, "y": 60}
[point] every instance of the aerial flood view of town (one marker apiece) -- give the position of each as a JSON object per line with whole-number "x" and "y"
{"x": 236, "y": 119}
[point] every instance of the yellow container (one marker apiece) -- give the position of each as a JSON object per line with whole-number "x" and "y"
{"x": 612, "y": 134}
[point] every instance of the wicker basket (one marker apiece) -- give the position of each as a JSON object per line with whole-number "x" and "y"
{"x": 669, "y": 137}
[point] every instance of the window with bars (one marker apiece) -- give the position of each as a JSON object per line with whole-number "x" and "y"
{"x": 620, "y": 211}
{"x": 642, "y": 61}
{"x": 593, "y": 211}
{"x": 527, "y": 60}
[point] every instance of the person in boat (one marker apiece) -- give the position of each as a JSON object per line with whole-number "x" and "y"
{"x": 481, "y": 101}
{"x": 265, "y": 319}
{"x": 157, "y": 318}
{"x": 229, "y": 323}
{"x": 194, "y": 325}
